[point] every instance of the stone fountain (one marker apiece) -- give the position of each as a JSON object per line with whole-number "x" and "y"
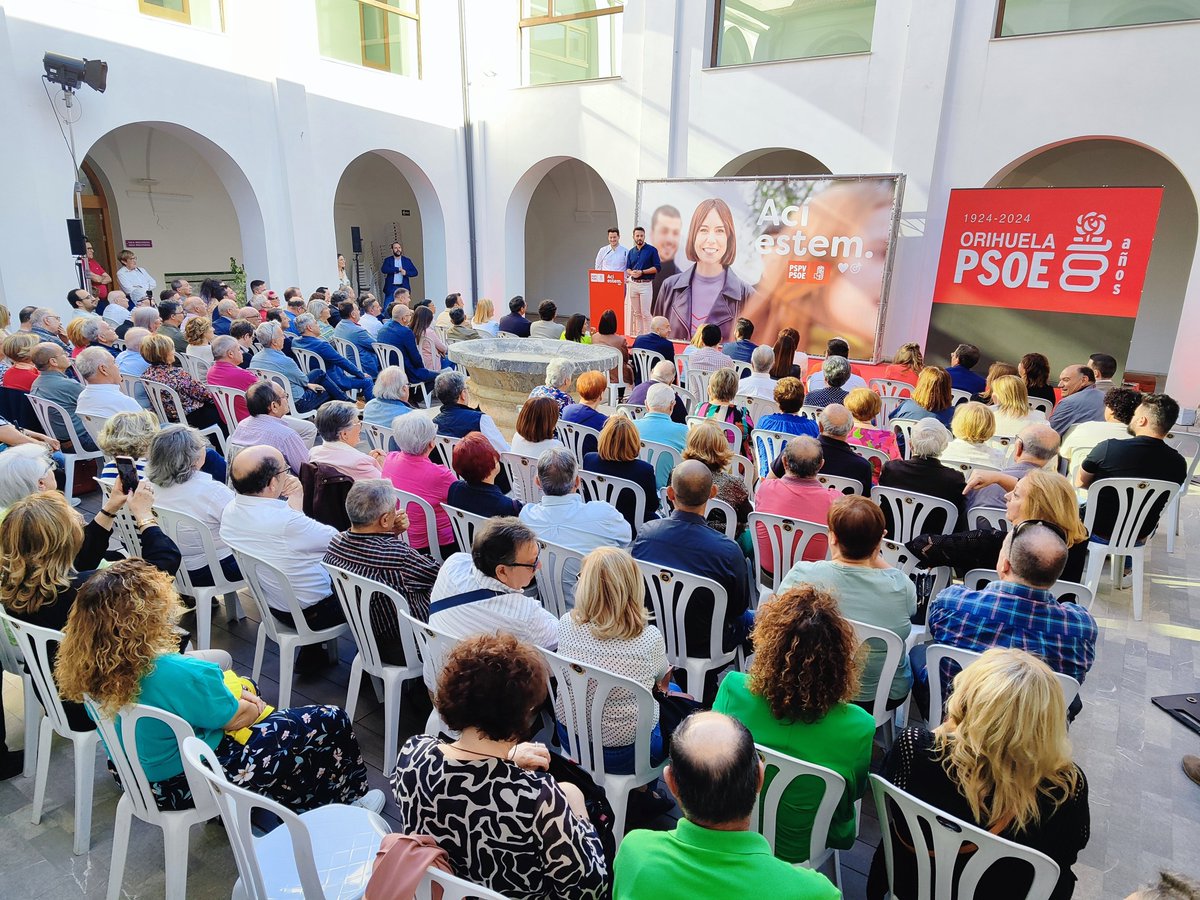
{"x": 502, "y": 371}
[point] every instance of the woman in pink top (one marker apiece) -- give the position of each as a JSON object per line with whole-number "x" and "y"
{"x": 341, "y": 429}
{"x": 865, "y": 405}
{"x": 412, "y": 470}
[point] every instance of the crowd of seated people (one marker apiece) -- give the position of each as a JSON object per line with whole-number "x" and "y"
{"x": 999, "y": 759}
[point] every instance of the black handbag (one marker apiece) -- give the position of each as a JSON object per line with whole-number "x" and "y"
{"x": 563, "y": 769}
{"x": 673, "y": 708}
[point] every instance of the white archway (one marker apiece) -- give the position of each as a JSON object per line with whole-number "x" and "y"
{"x": 773, "y": 161}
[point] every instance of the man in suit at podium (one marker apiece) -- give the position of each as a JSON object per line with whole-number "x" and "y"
{"x": 397, "y": 269}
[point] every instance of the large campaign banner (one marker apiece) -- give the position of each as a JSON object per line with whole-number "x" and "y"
{"x": 1059, "y": 270}
{"x": 810, "y": 253}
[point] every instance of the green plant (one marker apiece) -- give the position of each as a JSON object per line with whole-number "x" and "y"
{"x": 238, "y": 282}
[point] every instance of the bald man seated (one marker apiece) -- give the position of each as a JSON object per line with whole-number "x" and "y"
{"x": 657, "y": 339}
{"x": 683, "y": 542}
{"x": 715, "y": 774}
{"x": 1017, "y": 610}
{"x": 264, "y": 521}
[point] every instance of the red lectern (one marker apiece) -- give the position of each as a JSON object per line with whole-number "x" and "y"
{"x": 606, "y": 290}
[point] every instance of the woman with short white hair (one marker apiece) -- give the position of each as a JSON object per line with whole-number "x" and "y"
{"x": 410, "y": 469}
{"x": 24, "y": 470}
{"x": 923, "y": 473}
{"x": 340, "y": 429}
{"x": 390, "y": 400}
{"x": 558, "y": 379}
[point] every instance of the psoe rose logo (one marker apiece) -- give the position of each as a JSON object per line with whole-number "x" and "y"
{"x": 1090, "y": 226}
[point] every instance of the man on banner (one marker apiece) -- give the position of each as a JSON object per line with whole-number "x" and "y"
{"x": 665, "y": 226}
{"x": 612, "y": 255}
{"x": 641, "y": 265}
{"x": 397, "y": 269}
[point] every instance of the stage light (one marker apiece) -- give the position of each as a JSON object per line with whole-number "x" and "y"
{"x": 70, "y": 73}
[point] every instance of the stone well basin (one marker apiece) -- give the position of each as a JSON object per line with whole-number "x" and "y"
{"x": 502, "y": 371}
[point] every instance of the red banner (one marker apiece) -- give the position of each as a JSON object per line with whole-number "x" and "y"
{"x": 1070, "y": 250}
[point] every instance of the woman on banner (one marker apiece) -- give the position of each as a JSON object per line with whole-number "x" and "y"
{"x": 709, "y": 293}
{"x": 846, "y": 299}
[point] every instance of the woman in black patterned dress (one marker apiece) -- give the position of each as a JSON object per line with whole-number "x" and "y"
{"x": 506, "y": 824}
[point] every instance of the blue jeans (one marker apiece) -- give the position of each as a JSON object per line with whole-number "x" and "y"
{"x": 349, "y": 383}
{"x": 619, "y": 760}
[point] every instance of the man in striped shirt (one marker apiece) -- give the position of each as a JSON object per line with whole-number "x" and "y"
{"x": 1016, "y": 611}
{"x": 372, "y": 549}
{"x": 481, "y": 591}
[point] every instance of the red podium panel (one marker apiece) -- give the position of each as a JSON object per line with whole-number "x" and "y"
{"x": 606, "y": 290}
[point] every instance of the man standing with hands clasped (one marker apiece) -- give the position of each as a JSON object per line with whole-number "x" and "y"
{"x": 397, "y": 269}
{"x": 641, "y": 265}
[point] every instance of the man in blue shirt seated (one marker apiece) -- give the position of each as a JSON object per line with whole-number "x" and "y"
{"x": 348, "y": 329}
{"x": 742, "y": 347}
{"x": 398, "y": 333}
{"x": 515, "y": 322}
{"x": 965, "y": 358}
{"x": 341, "y": 371}
{"x": 309, "y": 389}
{"x": 1018, "y": 610}
{"x": 656, "y": 339}
{"x": 684, "y": 542}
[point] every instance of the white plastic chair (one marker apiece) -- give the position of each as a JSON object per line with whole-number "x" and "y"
{"x": 933, "y": 666}
{"x": 443, "y": 450}
{"x": 226, "y": 398}
{"x": 124, "y": 525}
{"x": 289, "y": 638}
{"x": 886, "y": 387}
{"x": 610, "y": 489}
{"x": 877, "y": 458}
{"x": 325, "y": 852}
{"x": 893, "y": 646}
{"x": 355, "y": 593}
{"x": 950, "y": 839}
{"x": 557, "y": 576}
{"x": 663, "y": 457}
{"x": 643, "y": 361}
{"x": 1188, "y": 446}
{"x": 631, "y": 411}
{"x": 134, "y": 386}
{"x": 696, "y": 381}
{"x": 161, "y": 394}
{"x": 309, "y": 361}
{"x": 434, "y": 646}
{"x": 451, "y": 886}
{"x": 757, "y": 406}
{"x": 137, "y": 798}
{"x": 975, "y": 579}
{"x": 35, "y": 647}
{"x": 465, "y": 524}
{"x": 426, "y": 513}
{"x": 388, "y": 355}
{"x": 728, "y": 516}
{"x": 787, "y": 541}
{"x": 173, "y": 522}
{"x": 670, "y": 593}
{"x": 12, "y": 660}
{"x": 689, "y": 399}
{"x": 92, "y": 424}
{"x": 1136, "y": 499}
{"x": 967, "y": 467}
{"x": 194, "y": 366}
{"x": 49, "y": 414}
{"x": 573, "y": 435}
{"x": 732, "y": 433}
{"x": 911, "y": 510}
{"x": 995, "y": 517}
{"x": 957, "y": 396}
{"x": 522, "y": 476}
{"x": 842, "y": 484}
{"x": 1040, "y": 404}
{"x": 902, "y": 429}
{"x": 348, "y": 350}
{"x": 764, "y": 818}
{"x": 583, "y": 690}
{"x": 740, "y": 467}
{"x": 767, "y": 446}
{"x": 378, "y": 437}
{"x": 282, "y": 380}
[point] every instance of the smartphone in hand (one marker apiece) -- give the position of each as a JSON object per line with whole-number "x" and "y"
{"x": 127, "y": 473}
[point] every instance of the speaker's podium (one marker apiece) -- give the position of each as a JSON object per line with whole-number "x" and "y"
{"x": 606, "y": 290}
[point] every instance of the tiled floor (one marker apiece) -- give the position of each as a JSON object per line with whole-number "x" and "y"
{"x": 1145, "y": 813}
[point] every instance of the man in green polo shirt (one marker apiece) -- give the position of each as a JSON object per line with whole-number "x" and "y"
{"x": 715, "y": 774}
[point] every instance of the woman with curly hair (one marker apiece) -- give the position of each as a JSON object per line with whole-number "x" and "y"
{"x": 796, "y": 699}
{"x": 722, "y": 407}
{"x": 198, "y": 332}
{"x": 486, "y": 798}
{"x": 1002, "y": 761}
{"x": 121, "y": 648}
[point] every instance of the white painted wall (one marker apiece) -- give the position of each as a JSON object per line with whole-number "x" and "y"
{"x": 936, "y": 98}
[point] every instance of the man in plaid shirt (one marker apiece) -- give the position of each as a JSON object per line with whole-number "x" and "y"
{"x": 1016, "y": 611}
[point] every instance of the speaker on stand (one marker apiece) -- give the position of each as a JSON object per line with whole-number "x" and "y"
{"x": 79, "y": 250}
{"x": 356, "y": 246}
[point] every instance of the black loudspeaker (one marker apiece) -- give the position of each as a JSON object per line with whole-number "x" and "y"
{"x": 77, "y": 237}
{"x": 355, "y": 239}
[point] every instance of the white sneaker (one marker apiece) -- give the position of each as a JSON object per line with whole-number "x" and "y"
{"x": 372, "y": 800}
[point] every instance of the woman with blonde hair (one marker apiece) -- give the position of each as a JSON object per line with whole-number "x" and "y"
{"x": 121, "y": 647}
{"x": 973, "y": 426}
{"x": 76, "y": 336}
{"x": 198, "y": 332}
{"x": 931, "y": 397}
{"x": 1002, "y": 761}
{"x": 707, "y": 443}
{"x": 21, "y": 372}
{"x": 609, "y": 628}
{"x": 617, "y": 455}
{"x": 199, "y": 405}
{"x": 796, "y": 699}
{"x": 483, "y": 317}
{"x": 864, "y": 405}
{"x": 722, "y": 390}
{"x": 906, "y": 365}
{"x": 1010, "y": 405}
{"x": 696, "y": 342}
{"x": 126, "y": 434}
